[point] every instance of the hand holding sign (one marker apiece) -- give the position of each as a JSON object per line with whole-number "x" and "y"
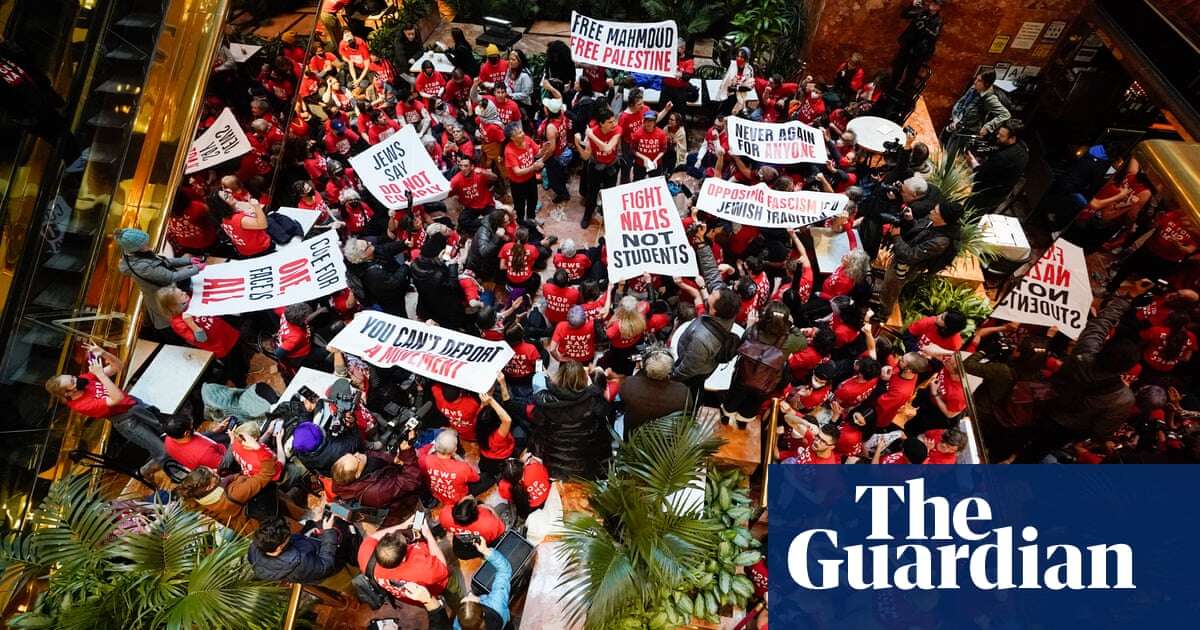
{"x": 399, "y": 170}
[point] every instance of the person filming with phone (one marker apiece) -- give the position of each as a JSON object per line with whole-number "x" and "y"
{"x": 402, "y": 557}
{"x": 475, "y": 612}
{"x": 278, "y": 555}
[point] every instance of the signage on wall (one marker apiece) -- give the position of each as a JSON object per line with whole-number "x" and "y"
{"x": 1054, "y": 30}
{"x": 999, "y": 43}
{"x": 1027, "y": 35}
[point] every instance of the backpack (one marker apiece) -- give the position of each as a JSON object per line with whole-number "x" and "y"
{"x": 760, "y": 365}
{"x": 367, "y": 589}
{"x": 1026, "y": 400}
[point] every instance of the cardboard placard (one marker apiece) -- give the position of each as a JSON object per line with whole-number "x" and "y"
{"x": 221, "y": 142}
{"x": 762, "y": 206}
{"x": 1056, "y": 291}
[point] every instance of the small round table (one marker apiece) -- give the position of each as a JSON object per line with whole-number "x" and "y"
{"x": 872, "y": 131}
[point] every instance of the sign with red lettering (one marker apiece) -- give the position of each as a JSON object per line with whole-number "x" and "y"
{"x": 431, "y": 351}
{"x": 1055, "y": 292}
{"x": 221, "y": 142}
{"x": 776, "y": 143}
{"x": 762, "y": 206}
{"x": 644, "y": 232}
{"x": 644, "y": 47}
{"x": 398, "y": 165}
{"x": 303, "y": 272}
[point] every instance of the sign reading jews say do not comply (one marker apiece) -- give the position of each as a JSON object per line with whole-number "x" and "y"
{"x": 398, "y": 165}
{"x": 432, "y": 351}
{"x": 221, "y": 142}
{"x": 646, "y": 48}
{"x": 776, "y": 143}
{"x": 762, "y": 206}
{"x": 313, "y": 269}
{"x": 1055, "y": 292}
{"x": 644, "y": 232}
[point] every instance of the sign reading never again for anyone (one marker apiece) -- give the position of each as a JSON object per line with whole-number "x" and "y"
{"x": 644, "y": 232}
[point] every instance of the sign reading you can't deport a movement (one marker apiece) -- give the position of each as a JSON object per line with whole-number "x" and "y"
{"x": 644, "y": 47}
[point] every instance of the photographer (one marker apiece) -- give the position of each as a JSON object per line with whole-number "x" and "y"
{"x": 278, "y": 555}
{"x": 1001, "y": 366}
{"x": 380, "y": 480}
{"x": 917, "y": 42}
{"x": 319, "y": 451}
{"x": 996, "y": 176}
{"x": 487, "y": 612}
{"x": 911, "y": 200}
{"x": 928, "y": 246}
{"x": 468, "y": 518}
{"x": 391, "y": 557}
{"x": 978, "y": 112}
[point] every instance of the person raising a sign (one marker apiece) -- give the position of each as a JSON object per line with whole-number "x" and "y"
{"x": 521, "y": 163}
{"x": 600, "y": 151}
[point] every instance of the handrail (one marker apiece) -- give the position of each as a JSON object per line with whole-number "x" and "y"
{"x": 772, "y": 436}
{"x": 293, "y": 608}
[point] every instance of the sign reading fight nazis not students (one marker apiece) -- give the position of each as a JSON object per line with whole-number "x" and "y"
{"x": 776, "y": 143}
{"x": 1055, "y": 292}
{"x": 397, "y": 165}
{"x": 432, "y": 351}
{"x": 647, "y": 48}
{"x": 762, "y": 206}
{"x": 644, "y": 232}
{"x": 299, "y": 273}
{"x": 221, "y": 142}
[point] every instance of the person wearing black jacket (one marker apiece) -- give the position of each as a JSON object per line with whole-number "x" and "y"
{"x": 462, "y": 55}
{"x": 484, "y": 255}
{"x": 408, "y": 46}
{"x": 705, "y": 340}
{"x": 996, "y": 177}
{"x": 383, "y": 278}
{"x": 439, "y": 295}
{"x": 570, "y": 418}
{"x": 318, "y": 451}
{"x": 278, "y": 555}
{"x": 917, "y": 42}
{"x": 916, "y": 196}
{"x": 926, "y": 245}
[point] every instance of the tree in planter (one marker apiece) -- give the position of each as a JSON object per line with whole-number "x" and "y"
{"x": 692, "y": 17}
{"x": 642, "y": 541}
{"x": 171, "y": 571}
{"x": 775, "y": 32}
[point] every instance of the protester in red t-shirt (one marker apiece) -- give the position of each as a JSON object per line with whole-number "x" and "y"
{"x": 250, "y": 453}
{"x": 936, "y": 335}
{"x": 574, "y": 339}
{"x": 571, "y": 260}
{"x": 244, "y": 222}
{"x": 509, "y": 110}
{"x": 472, "y": 187}
{"x": 602, "y": 143}
{"x": 190, "y": 449}
{"x": 560, "y": 297}
{"x": 213, "y": 334}
{"x": 525, "y": 483}
{"x": 648, "y": 143}
{"x": 901, "y": 385}
{"x": 469, "y": 517}
{"x": 944, "y": 445}
{"x": 494, "y": 430}
{"x": 1164, "y": 347}
{"x": 430, "y": 83}
{"x": 855, "y": 390}
{"x": 399, "y": 562}
{"x": 520, "y": 368}
{"x": 816, "y": 446}
{"x": 522, "y": 165}
{"x": 459, "y": 408}
{"x": 189, "y": 228}
{"x": 517, "y": 259}
{"x": 449, "y": 476}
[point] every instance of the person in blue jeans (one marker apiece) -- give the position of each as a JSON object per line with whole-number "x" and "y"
{"x": 487, "y": 612}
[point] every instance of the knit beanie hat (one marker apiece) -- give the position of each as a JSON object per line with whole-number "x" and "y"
{"x": 131, "y": 239}
{"x": 306, "y": 438}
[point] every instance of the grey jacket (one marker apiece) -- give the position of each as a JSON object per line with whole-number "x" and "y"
{"x": 1092, "y": 399}
{"x": 702, "y": 340}
{"x": 151, "y": 273}
{"x": 975, "y": 111}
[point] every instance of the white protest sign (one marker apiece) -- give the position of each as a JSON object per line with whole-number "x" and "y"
{"x": 297, "y": 274}
{"x": 1055, "y": 292}
{"x": 306, "y": 218}
{"x": 776, "y": 143}
{"x": 762, "y": 206}
{"x": 644, "y": 232}
{"x": 398, "y": 164}
{"x": 643, "y": 47}
{"x": 221, "y": 142}
{"x": 432, "y": 351}
{"x": 315, "y": 380}
{"x": 242, "y": 52}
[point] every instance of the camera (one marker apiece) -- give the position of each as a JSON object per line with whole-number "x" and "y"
{"x": 399, "y": 423}
{"x": 291, "y": 412}
{"x": 892, "y": 147}
{"x": 997, "y": 348}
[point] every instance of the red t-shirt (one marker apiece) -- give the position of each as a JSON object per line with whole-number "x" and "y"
{"x": 195, "y": 452}
{"x": 950, "y": 391}
{"x": 803, "y": 362}
{"x": 488, "y": 525}
{"x": 535, "y": 478}
{"x": 92, "y": 403}
{"x": 935, "y": 456}
{"x": 509, "y": 111}
{"x": 247, "y": 242}
{"x": 559, "y": 300}
{"x": 630, "y": 122}
{"x": 222, "y": 336}
{"x": 850, "y": 441}
{"x": 411, "y": 113}
{"x": 251, "y": 460}
{"x": 594, "y": 309}
{"x": 578, "y": 344}
{"x": 844, "y": 333}
{"x": 358, "y": 56}
{"x": 430, "y": 85}
{"x": 525, "y": 271}
{"x": 926, "y": 332}
{"x": 651, "y": 144}
{"x": 520, "y": 157}
{"x": 575, "y": 266}
{"x": 837, "y": 283}
{"x": 1172, "y": 241}
{"x": 1154, "y": 342}
{"x": 524, "y": 361}
{"x": 294, "y": 339}
{"x": 805, "y": 455}
{"x": 614, "y": 336}
{"x": 899, "y": 391}
{"x": 498, "y": 446}
{"x": 192, "y": 231}
{"x": 460, "y": 413}
{"x": 419, "y": 566}
{"x": 473, "y": 192}
{"x": 1156, "y": 312}
{"x": 493, "y": 72}
{"x": 448, "y": 478}
{"x": 854, "y": 391}
{"x": 603, "y": 157}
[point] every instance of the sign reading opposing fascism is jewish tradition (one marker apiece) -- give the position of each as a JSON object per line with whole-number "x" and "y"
{"x": 431, "y": 351}
{"x": 298, "y": 273}
{"x": 646, "y": 48}
{"x": 776, "y": 143}
{"x": 644, "y": 232}
{"x": 397, "y": 165}
{"x": 1055, "y": 292}
{"x": 221, "y": 142}
{"x": 762, "y": 206}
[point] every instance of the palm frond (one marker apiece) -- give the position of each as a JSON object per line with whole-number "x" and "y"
{"x": 222, "y": 593}
{"x": 953, "y": 176}
{"x": 667, "y": 454}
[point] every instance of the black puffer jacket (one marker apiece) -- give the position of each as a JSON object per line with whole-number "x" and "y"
{"x": 331, "y": 449}
{"x": 484, "y": 255}
{"x": 439, "y": 296}
{"x": 384, "y": 279}
{"x": 572, "y": 435}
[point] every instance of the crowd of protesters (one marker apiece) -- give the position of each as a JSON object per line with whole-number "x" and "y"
{"x": 592, "y": 359}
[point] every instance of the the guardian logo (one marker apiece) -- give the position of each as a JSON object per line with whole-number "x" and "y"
{"x": 949, "y": 547}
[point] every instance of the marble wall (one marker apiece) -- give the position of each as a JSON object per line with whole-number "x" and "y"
{"x": 970, "y": 29}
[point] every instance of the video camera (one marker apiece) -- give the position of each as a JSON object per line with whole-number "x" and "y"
{"x": 399, "y": 423}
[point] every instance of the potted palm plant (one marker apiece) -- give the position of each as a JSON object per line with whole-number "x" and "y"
{"x": 96, "y": 567}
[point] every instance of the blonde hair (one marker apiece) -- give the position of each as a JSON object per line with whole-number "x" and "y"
{"x": 572, "y": 376}
{"x": 55, "y": 387}
{"x": 247, "y": 428}
{"x": 345, "y": 469}
{"x": 630, "y": 320}
{"x": 167, "y": 301}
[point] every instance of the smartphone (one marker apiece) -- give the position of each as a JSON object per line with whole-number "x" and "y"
{"x": 339, "y": 510}
{"x": 308, "y": 394}
{"x": 418, "y": 520}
